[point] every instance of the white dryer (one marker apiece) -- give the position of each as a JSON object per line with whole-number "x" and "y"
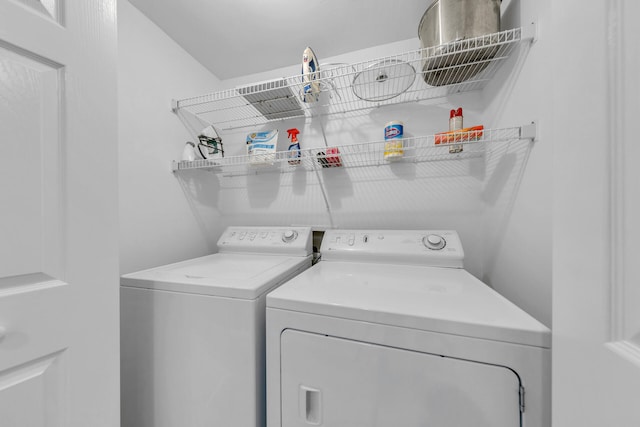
{"x": 193, "y": 333}
{"x": 388, "y": 329}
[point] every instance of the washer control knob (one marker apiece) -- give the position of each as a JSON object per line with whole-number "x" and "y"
{"x": 289, "y": 236}
{"x": 433, "y": 241}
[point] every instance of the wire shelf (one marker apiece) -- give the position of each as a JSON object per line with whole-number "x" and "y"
{"x": 418, "y": 75}
{"x": 458, "y": 145}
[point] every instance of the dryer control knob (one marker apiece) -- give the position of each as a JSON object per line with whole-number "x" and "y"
{"x": 289, "y": 236}
{"x": 434, "y": 242}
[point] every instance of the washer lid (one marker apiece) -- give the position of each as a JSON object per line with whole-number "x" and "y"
{"x": 245, "y": 276}
{"x": 444, "y": 300}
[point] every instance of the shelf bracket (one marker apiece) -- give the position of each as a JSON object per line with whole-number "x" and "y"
{"x": 192, "y": 122}
{"x": 530, "y": 32}
{"x": 529, "y": 131}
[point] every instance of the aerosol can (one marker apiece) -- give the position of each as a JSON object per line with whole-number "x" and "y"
{"x": 455, "y": 123}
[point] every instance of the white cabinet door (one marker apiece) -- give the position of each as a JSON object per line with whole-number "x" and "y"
{"x": 596, "y": 279}
{"x": 335, "y": 382}
{"x": 58, "y": 214}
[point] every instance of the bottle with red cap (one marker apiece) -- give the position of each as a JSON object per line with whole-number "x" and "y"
{"x": 455, "y": 123}
{"x": 294, "y": 146}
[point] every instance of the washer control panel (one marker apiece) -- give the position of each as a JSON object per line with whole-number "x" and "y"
{"x": 438, "y": 248}
{"x": 275, "y": 240}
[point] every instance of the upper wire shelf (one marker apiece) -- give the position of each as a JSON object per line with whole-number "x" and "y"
{"x": 375, "y": 153}
{"x": 418, "y": 75}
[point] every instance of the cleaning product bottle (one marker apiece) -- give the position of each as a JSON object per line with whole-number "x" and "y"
{"x": 393, "y": 146}
{"x": 455, "y": 123}
{"x": 189, "y": 153}
{"x": 261, "y": 147}
{"x": 310, "y": 76}
{"x": 294, "y": 146}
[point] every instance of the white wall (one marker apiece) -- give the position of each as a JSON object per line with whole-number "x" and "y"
{"x": 518, "y": 222}
{"x": 158, "y": 224}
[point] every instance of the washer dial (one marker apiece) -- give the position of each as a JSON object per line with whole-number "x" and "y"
{"x": 434, "y": 242}
{"x": 289, "y": 236}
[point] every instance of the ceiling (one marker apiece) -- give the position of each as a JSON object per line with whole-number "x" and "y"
{"x": 234, "y": 38}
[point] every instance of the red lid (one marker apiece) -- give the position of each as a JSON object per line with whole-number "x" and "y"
{"x": 459, "y": 112}
{"x": 293, "y": 134}
{"x": 452, "y": 114}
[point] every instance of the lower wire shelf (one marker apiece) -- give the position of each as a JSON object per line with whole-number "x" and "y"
{"x": 430, "y": 148}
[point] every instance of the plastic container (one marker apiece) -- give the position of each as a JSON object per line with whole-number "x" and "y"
{"x": 333, "y": 157}
{"x": 261, "y": 147}
{"x": 188, "y": 152}
{"x": 294, "y": 146}
{"x": 455, "y": 123}
{"x": 393, "y": 135}
{"x": 330, "y": 158}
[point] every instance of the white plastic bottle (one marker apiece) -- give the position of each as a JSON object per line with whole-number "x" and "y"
{"x": 294, "y": 146}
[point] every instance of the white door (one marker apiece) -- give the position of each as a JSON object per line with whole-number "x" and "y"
{"x": 336, "y": 382}
{"x": 58, "y": 214}
{"x": 596, "y": 280}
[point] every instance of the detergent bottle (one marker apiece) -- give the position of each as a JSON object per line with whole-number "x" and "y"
{"x": 261, "y": 147}
{"x": 294, "y": 146}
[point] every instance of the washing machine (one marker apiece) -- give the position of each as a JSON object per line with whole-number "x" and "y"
{"x": 193, "y": 332}
{"x": 388, "y": 329}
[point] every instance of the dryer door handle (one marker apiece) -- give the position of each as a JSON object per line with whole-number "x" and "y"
{"x": 310, "y": 405}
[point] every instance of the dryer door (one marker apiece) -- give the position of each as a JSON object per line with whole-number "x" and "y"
{"x": 337, "y": 382}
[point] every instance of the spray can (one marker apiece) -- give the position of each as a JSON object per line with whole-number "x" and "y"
{"x": 393, "y": 134}
{"x": 455, "y": 123}
{"x": 294, "y": 146}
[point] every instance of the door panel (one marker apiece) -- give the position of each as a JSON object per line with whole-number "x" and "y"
{"x": 335, "y": 382}
{"x": 596, "y": 322}
{"x": 30, "y": 179}
{"x": 49, "y": 8}
{"x": 59, "y": 348}
{"x": 39, "y": 382}
{"x": 626, "y": 292}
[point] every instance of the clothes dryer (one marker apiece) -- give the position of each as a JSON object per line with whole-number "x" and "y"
{"x": 193, "y": 332}
{"x": 389, "y": 329}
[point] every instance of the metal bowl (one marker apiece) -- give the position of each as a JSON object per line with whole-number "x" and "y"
{"x": 452, "y": 34}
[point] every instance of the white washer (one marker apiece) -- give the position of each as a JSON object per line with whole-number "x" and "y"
{"x": 192, "y": 333}
{"x": 389, "y": 329}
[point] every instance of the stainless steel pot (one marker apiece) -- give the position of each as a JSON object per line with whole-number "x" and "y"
{"x": 445, "y": 27}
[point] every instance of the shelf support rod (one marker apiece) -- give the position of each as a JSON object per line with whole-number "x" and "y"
{"x": 320, "y": 181}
